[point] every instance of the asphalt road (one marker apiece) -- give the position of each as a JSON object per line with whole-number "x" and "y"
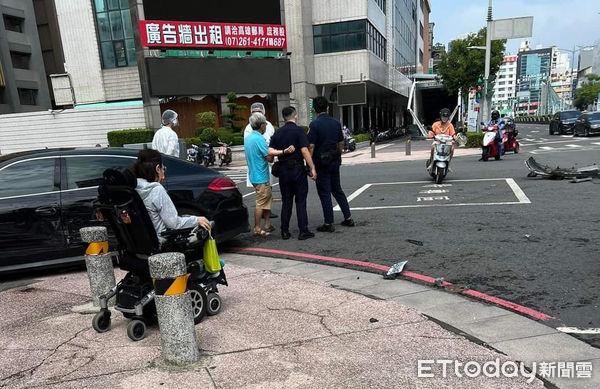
{"x": 528, "y": 240}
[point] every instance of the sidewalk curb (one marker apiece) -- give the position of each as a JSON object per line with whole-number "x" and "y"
{"x": 510, "y": 333}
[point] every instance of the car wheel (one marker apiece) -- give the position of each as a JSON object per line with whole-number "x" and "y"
{"x": 586, "y": 132}
{"x": 550, "y": 131}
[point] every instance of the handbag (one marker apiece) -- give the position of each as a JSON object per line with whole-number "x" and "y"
{"x": 211, "y": 256}
{"x": 276, "y": 168}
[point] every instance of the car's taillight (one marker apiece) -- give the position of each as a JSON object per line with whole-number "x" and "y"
{"x": 221, "y": 183}
{"x": 125, "y": 217}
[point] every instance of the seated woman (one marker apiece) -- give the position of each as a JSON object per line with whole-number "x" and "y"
{"x": 150, "y": 172}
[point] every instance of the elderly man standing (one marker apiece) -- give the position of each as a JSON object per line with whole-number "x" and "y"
{"x": 269, "y": 131}
{"x": 165, "y": 139}
{"x": 256, "y": 151}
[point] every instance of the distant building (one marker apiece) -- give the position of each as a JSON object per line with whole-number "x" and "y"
{"x": 23, "y": 85}
{"x": 505, "y": 85}
{"x": 437, "y": 51}
{"x": 533, "y": 72}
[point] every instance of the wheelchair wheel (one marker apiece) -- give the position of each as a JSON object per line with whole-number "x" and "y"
{"x": 214, "y": 304}
{"x": 136, "y": 330}
{"x": 101, "y": 321}
{"x": 199, "y": 301}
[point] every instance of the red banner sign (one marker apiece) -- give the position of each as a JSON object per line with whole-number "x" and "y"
{"x": 206, "y": 35}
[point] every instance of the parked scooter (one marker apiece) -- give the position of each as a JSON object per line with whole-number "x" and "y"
{"x": 192, "y": 154}
{"x": 488, "y": 144}
{"x": 207, "y": 154}
{"x": 441, "y": 157}
{"x": 224, "y": 153}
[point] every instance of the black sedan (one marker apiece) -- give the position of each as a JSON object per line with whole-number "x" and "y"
{"x": 46, "y": 197}
{"x": 562, "y": 122}
{"x": 587, "y": 124}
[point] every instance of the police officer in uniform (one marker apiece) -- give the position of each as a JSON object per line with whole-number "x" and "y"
{"x": 293, "y": 183}
{"x": 326, "y": 145}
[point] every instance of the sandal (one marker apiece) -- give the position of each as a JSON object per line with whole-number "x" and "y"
{"x": 270, "y": 229}
{"x": 262, "y": 233}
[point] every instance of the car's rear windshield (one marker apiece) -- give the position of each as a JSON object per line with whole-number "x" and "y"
{"x": 570, "y": 114}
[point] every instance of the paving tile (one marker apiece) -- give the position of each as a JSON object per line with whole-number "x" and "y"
{"x": 388, "y": 289}
{"x": 507, "y": 327}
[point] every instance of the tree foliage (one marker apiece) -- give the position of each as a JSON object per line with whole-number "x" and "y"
{"x": 586, "y": 94}
{"x": 461, "y": 67}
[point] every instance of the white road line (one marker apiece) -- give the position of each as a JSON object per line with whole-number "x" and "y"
{"x": 575, "y": 330}
{"x": 384, "y": 146}
{"x": 596, "y": 143}
{"x": 532, "y": 131}
{"x": 523, "y": 199}
{"x": 546, "y": 148}
{"x": 251, "y": 193}
{"x": 431, "y": 205}
{"x": 566, "y": 136}
{"x": 518, "y": 191}
{"x": 573, "y": 146}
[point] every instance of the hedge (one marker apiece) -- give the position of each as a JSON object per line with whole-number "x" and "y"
{"x": 133, "y": 135}
{"x": 361, "y": 137}
{"x": 238, "y": 139}
{"x": 474, "y": 139}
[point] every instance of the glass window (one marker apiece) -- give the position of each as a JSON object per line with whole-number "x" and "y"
{"x": 115, "y": 33}
{"x": 27, "y": 96}
{"x": 20, "y": 60}
{"x": 13, "y": 23}
{"x": 336, "y": 37}
{"x": 86, "y": 171}
{"x": 108, "y": 55}
{"x": 116, "y": 24}
{"x": 28, "y": 177}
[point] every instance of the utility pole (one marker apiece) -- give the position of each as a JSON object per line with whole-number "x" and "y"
{"x": 488, "y": 55}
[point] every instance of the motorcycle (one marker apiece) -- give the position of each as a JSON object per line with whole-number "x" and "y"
{"x": 192, "y": 154}
{"x": 510, "y": 142}
{"x": 207, "y": 154}
{"x": 350, "y": 142}
{"x": 438, "y": 168}
{"x": 224, "y": 153}
{"x": 488, "y": 144}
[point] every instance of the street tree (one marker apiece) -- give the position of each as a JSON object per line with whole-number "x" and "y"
{"x": 586, "y": 94}
{"x": 460, "y": 67}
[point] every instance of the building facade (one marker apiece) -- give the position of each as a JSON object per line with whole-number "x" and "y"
{"x": 505, "y": 85}
{"x": 345, "y": 42}
{"x": 533, "y": 76}
{"x": 23, "y": 85}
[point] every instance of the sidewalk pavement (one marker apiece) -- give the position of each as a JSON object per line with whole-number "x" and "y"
{"x": 392, "y": 151}
{"x": 284, "y": 324}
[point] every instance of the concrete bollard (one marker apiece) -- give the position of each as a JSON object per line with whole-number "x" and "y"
{"x": 98, "y": 263}
{"x": 372, "y": 149}
{"x": 174, "y": 308}
{"x": 408, "y": 147}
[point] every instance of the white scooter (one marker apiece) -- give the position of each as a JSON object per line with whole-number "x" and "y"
{"x": 441, "y": 157}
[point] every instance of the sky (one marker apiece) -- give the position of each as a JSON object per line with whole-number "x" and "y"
{"x": 564, "y": 23}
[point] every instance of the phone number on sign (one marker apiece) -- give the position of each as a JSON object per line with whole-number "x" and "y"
{"x": 258, "y": 42}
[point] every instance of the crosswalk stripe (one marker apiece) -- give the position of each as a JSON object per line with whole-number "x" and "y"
{"x": 573, "y": 146}
{"x": 596, "y": 143}
{"x": 546, "y": 148}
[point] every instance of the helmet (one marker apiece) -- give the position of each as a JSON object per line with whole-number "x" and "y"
{"x": 495, "y": 115}
{"x": 445, "y": 112}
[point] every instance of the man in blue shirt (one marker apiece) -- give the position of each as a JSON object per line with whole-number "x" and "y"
{"x": 292, "y": 176}
{"x": 326, "y": 146}
{"x": 256, "y": 150}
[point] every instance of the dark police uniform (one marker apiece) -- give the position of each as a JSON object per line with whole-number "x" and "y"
{"x": 325, "y": 133}
{"x": 292, "y": 177}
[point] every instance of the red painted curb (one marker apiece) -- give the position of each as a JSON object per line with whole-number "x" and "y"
{"x": 420, "y": 277}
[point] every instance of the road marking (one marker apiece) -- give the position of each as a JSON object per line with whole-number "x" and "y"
{"x": 518, "y": 192}
{"x": 573, "y": 146}
{"x": 596, "y": 143}
{"x": 558, "y": 141}
{"x": 532, "y": 131}
{"x": 566, "y": 136}
{"x": 546, "y": 148}
{"x": 383, "y": 146}
{"x": 575, "y": 330}
{"x": 434, "y": 191}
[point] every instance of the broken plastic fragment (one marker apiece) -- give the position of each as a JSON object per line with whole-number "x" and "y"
{"x": 396, "y": 268}
{"x": 417, "y": 242}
